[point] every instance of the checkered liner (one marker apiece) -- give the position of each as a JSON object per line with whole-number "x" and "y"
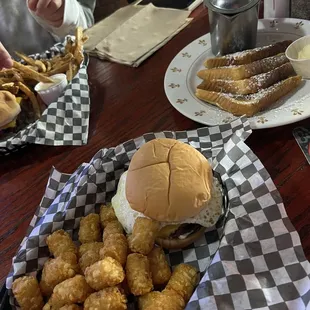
{"x": 64, "y": 122}
{"x": 254, "y": 262}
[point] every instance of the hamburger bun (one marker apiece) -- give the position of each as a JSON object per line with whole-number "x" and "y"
{"x": 168, "y": 181}
{"x": 9, "y": 108}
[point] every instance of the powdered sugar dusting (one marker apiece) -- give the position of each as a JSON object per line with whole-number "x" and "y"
{"x": 257, "y": 53}
{"x": 246, "y": 52}
{"x": 270, "y": 61}
{"x": 257, "y": 96}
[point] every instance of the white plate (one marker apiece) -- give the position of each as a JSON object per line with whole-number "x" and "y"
{"x": 181, "y": 80}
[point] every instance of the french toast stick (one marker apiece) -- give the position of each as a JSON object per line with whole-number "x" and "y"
{"x": 250, "y": 104}
{"x": 251, "y": 85}
{"x": 243, "y": 71}
{"x": 248, "y": 56}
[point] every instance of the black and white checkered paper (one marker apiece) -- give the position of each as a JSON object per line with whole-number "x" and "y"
{"x": 64, "y": 122}
{"x": 254, "y": 262}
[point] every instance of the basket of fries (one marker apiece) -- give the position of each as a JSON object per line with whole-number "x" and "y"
{"x": 37, "y": 122}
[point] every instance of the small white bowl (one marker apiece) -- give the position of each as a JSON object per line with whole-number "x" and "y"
{"x": 301, "y": 66}
{"x": 50, "y": 92}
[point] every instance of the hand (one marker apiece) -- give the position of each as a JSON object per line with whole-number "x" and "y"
{"x": 51, "y": 11}
{"x": 5, "y": 58}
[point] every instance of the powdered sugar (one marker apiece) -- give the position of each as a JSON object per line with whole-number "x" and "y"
{"x": 246, "y": 52}
{"x": 250, "y": 55}
{"x": 257, "y": 96}
{"x": 269, "y": 61}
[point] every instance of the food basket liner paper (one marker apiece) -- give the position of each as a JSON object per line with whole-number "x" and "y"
{"x": 64, "y": 122}
{"x": 255, "y": 262}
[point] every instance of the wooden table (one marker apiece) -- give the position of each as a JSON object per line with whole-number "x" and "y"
{"x": 125, "y": 103}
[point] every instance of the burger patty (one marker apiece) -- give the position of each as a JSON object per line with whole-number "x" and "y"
{"x": 184, "y": 230}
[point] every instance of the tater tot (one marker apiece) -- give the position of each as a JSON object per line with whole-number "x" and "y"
{"x": 89, "y": 254}
{"x": 90, "y": 230}
{"x": 115, "y": 246}
{"x": 71, "y": 291}
{"x": 107, "y": 214}
{"x": 88, "y": 259}
{"x": 57, "y": 270}
{"x": 138, "y": 274}
{"x": 106, "y": 272}
{"x": 183, "y": 281}
{"x": 65, "y": 307}
{"x": 110, "y": 298}
{"x": 148, "y": 300}
{"x": 143, "y": 235}
{"x": 165, "y": 300}
{"x": 160, "y": 269}
{"x": 60, "y": 242}
{"x": 27, "y": 293}
{"x": 91, "y": 246}
{"x": 112, "y": 228}
{"x": 71, "y": 307}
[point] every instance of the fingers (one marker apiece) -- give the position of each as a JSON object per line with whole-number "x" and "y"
{"x": 32, "y": 4}
{"x": 42, "y": 5}
{"x": 5, "y": 58}
{"x": 52, "y": 11}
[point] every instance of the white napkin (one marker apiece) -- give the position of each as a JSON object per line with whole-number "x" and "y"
{"x": 133, "y": 33}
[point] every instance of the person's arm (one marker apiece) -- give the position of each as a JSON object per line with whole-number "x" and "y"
{"x": 61, "y": 17}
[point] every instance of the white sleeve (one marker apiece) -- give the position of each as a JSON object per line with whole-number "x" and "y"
{"x": 74, "y": 15}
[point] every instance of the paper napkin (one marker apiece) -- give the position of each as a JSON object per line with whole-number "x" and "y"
{"x": 133, "y": 33}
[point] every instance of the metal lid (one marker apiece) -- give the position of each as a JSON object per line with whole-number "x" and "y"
{"x": 230, "y": 6}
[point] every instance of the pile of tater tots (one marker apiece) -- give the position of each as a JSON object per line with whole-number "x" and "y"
{"x": 108, "y": 271}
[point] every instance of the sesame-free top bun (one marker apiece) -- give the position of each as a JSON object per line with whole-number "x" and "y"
{"x": 9, "y": 108}
{"x": 168, "y": 181}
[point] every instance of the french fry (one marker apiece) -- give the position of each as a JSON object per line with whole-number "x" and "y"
{"x": 6, "y": 72}
{"x": 41, "y": 65}
{"x": 32, "y": 62}
{"x": 48, "y": 65}
{"x": 35, "y": 68}
{"x": 31, "y": 73}
{"x": 69, "y": 72}
{"x": 78, "y": 39}
{"x": 27, "y": 59}
{"x": 67, "y": 57}
{"x": 17, "y": 76}
{"x": 63, "y": 68}
{"x": 75, "y": 70}
{"x": 79, "y": 57}
{"x": 85, "y": 38}
{"x": 61, "y": 63}
{"x": 55, "y": 59}
{"x": 36, "y": 107}
{"x": 11, "y": 87}
{"x": 4, "y": 80}
{"x": 78, "y": 52}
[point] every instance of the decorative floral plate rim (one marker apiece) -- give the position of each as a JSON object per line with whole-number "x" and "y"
{"x": 180, "y": 80}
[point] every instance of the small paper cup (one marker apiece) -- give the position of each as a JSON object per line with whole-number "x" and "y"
{"x": 51, "y": 92}
{"x": 301, "y": 66}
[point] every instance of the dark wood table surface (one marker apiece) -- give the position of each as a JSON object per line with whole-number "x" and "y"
{"x": 126, "y": 103}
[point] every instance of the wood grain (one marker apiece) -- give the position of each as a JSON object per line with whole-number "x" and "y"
{"x": 126, "y": 103}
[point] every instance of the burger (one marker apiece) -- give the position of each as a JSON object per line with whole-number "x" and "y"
{"x": 9, "y": 110}
{"x": 172, "y": 183}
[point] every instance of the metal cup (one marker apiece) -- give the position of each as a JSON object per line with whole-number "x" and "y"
{"x": 233, "y": 25}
